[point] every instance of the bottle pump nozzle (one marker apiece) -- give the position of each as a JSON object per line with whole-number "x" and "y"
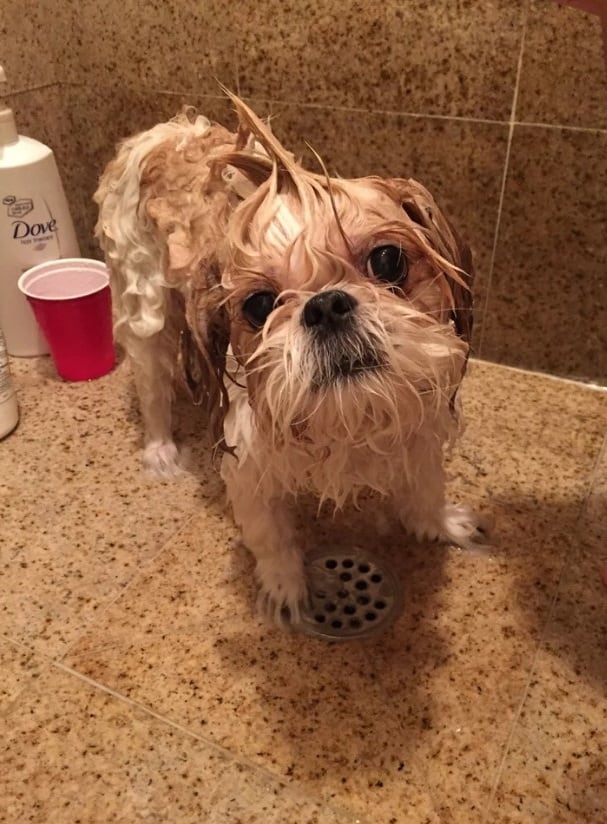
{"x": 8, "y": 127}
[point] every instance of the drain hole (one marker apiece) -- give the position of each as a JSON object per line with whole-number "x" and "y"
{"x": 342, "y": 593}
{"x": 345, "y": 576}
{"x": 376, "y": 578}
{"x": 347, "y": 564}
{"x": 330, "y": 607}
{"x": 331, "y": 564}
{"x": 336, "y": 624}
{"x": 361, "y": 585}
{"x": 364, "y": 568}
{"x": 350, "y": 609}
{"x": 355, "y": 623}
{"x": 363, "y": 600}
{"x": 320, "y": 619}
{"x": 370, "y": 616}
{"x": 379, "y": 605}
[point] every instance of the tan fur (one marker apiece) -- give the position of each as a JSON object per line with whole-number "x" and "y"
{"x": 192, "y": 209}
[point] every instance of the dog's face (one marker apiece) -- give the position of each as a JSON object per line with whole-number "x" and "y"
{"x": 347, "y": 303}
{"x": 341, "y": 311}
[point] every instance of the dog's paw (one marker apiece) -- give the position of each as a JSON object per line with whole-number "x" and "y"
{"x": 423, "y": 529}
{"x": 455, "y": 524}
{"x": 283, "y": 591}
{"x": 161, "y": 458}
{"x": 464, "y": 527}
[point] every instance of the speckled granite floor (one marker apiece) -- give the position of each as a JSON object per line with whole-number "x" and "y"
{"x": 136, "y": 683}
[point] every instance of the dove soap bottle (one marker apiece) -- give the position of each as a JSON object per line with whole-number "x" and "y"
{"x": 35, "y": 226}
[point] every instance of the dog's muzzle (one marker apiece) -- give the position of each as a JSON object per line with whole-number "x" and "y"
{"x": 342, "y": 353}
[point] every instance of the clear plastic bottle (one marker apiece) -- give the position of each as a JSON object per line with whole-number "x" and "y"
{"x": 9, "y": 409}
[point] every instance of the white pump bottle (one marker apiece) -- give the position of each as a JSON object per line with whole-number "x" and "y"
{"x": 35, "y": 226}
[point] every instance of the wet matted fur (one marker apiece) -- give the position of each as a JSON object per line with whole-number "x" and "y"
{"x": 323, "y": 324}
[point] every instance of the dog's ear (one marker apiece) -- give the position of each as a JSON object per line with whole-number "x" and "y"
{"x": 422, "y": 209}
{"x": 463, "y": 316}
{"x": 204, "y": 346}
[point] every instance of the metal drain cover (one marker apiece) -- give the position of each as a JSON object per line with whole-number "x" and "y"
{"x": 352, "y": 595}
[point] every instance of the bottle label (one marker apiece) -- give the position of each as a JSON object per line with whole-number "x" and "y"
{"x": 6, "y": 385}
{"x": 29, "y": 227}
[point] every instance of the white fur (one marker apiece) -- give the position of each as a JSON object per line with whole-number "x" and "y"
{"x": 131, "y": 246}
{"x": 147, "y": 317}
{"x": 141, "y": 299}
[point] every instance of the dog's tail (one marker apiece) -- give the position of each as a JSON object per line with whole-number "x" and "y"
{"x": 125, "y": 233}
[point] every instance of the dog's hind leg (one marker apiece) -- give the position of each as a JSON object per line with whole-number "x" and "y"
{"x": 154, "y": 362}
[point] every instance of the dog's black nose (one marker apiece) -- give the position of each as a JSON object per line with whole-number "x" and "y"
{"x": 328, "y": 310}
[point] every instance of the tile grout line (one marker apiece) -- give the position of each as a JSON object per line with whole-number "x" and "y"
{"x": 98, "y": 685}
{"x": 582, "y": 385}
{"x": 330, "y": 107}
{"x": 25, "y": 90}
{"x": 543, "y": 634}
{"x": 500, "y": 205}
{"x": 536, "y": 125}
{"x": 232, "y": 758}
{"x": 137, "y": 574}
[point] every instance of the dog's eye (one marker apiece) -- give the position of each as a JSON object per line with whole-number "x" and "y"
{"x": 257, "y": 307}
{"x": 387, "y": 263}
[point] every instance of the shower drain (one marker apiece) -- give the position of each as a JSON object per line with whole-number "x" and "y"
{"x": 352, "y": 595}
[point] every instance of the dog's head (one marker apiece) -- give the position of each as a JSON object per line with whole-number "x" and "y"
{"x": 347, "y": 303}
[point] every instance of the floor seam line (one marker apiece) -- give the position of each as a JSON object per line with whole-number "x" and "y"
{"x": 233, "y": 758}
{"x": 137, "y": 574}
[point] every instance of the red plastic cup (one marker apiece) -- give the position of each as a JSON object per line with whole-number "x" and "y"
{"x": 72, "y": 303}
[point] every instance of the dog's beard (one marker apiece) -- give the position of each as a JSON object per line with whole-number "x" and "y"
{"x": 336, "y": 410}
{"x": 330, "y": 360}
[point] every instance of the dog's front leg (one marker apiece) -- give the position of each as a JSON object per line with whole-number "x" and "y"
{"x": 267, "y": 531}
{"x": 422, "y": 507}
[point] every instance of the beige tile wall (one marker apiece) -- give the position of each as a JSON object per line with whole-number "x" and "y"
{"x": 499, "y": 106}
